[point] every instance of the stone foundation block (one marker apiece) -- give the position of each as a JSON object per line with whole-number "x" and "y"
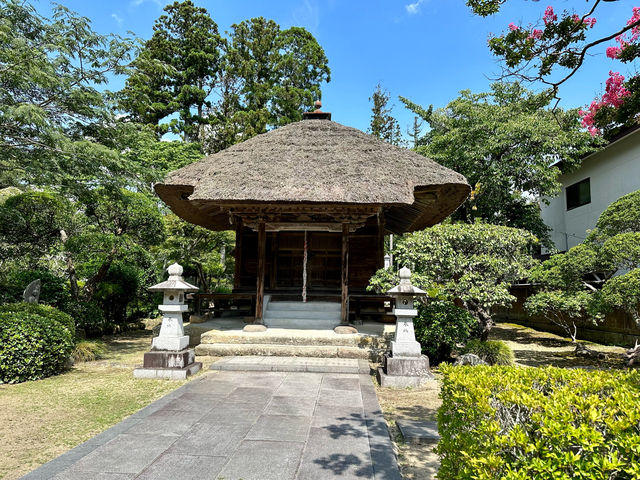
{"x": 168, "y": 373}
{"x": 166, "y": 359}
{"x": 403, "y": 381}
{"x": 413, "y": 366}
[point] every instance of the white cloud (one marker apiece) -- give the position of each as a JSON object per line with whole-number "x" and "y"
{"x": 117, "y": 18}
{"x": 414, "y": 7}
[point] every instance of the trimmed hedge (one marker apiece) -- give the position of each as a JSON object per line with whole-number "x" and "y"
{"x": 44, "y": 311}
{"x": 531, "y": 423}
{"x": 491, "y": 351}
{"x": 32, "y": 347}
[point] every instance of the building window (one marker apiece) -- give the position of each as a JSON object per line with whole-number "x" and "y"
{"x": 579, "y": 194}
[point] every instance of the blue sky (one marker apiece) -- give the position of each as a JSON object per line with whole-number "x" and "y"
{"x": 426, "y": 50}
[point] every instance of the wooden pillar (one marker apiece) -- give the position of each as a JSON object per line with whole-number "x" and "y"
{"x": 380, "y": 257}
{"x": 262, "y": 244}
{"x": 345, "y": 274}
{"x": 238, "y": 256}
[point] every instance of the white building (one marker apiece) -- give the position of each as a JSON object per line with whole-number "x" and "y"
{"x": 602, "y": 178}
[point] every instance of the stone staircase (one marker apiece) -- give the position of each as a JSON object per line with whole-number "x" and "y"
{"x": 290, "y": 342}
{"x": 302, "y": 316}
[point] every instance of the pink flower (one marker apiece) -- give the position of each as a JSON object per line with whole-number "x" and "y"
{"x": 513, "y": 27}
{"x": 536, "y": 33}
{"x": 549, "y": 16}
{"x": 613, "y": 52}
{"x": 575, "y": 18}
{"x": 591, "y": 22}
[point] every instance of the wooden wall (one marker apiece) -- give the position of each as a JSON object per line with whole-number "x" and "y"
{"x": 284, "y": 260}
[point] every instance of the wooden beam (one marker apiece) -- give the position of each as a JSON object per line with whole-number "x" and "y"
{"x": 262, "y": 244}
{"x": 345, "y": 274}
{"x": 238, "y": 254}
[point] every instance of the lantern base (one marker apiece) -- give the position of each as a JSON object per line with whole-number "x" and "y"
{"x": 403, "y": 372}
{"x": 171, "y": 365}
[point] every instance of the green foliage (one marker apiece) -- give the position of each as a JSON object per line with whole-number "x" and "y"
{"x": 88, "y": 317}
{"x": 117, "y": 289}
{"x": 505, "y": 142}
{"x": 176, "y": 70}
{"x": 263, "y": 77}
{"x": 30, "y": 224}
{"x": 32, "y": 347}
{"x": 493, "y": 352}
{"x": 473, "y": 263}
{"x": 440, "y": 326}
{"x": 199, "y": 251}
{"x": 51, "y": 98}
{"x": 520, "y": 423}
{"x": 88, "y": 351}
{"x": 43, "y": 311}
{"x": 612, "y": 251}
{"x": 383, "y": 125}
{"x": 53, "y": 289}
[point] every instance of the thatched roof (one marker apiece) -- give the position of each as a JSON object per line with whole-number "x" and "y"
{"x": 316, "y": 162}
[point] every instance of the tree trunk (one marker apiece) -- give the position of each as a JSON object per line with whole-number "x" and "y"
{"x": 71, "y": 269}
{"x": 90, "y": 286}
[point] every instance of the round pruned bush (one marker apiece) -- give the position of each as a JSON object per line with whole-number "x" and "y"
{"x": 32, "y": 347}
{"x": 440, "y": 326}
{"x": 491, "y": 351}
{"x": 44, "y": 311}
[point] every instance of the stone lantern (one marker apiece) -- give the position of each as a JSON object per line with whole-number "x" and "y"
{"x": 405, "y": 366}
{"x": 170, "y": 356}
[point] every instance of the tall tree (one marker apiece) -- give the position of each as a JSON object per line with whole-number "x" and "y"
{"x": 51, "y": 104}
{"x": 554, "y": 49}
{"x": 506, "y": 142}
{"x": 415, "y": 131}
{"x": 383, "y": 125}
{"x": 176, "y": 71}
{"x": 276, "y": 73}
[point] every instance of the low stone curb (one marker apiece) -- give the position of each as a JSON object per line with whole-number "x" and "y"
{"x": 292, "y": 364}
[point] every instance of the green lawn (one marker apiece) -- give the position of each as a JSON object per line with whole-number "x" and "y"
{"x": 41, "y": 420}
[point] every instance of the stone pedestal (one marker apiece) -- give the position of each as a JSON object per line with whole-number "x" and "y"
{"x": 405, "y": 372}
{"x": 165, "y": 364}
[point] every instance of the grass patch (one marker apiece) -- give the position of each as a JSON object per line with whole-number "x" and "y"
{"x": 42, "y": 419}
{"x": 88, "y": 351}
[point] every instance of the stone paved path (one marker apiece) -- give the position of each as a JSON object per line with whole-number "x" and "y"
{"x": 244, "y": 425}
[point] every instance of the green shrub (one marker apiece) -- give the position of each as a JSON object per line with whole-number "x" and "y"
{"x": 32, "y": 347}
{"x": 53, "y": 289}
{"x": 88, "y": 350}
{"x": 440, "y": 325}
{"x": 493, "y": 352}
{"x": 90, "y": 321}
{"x": 532, "y": 423}
{"x": 44, "y": 311}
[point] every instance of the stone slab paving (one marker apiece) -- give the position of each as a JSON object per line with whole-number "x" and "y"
{"x": 245, "y": 425}
{"x": 420, "y": 432}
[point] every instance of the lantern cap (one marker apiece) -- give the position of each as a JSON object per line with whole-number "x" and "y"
{"x": 405, "y": 288}
{"x": 174, "y": 282}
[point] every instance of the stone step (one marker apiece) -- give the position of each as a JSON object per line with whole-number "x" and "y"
{"x": 310, "y": 337}
{"x": 302, "y": 323}
{"x": 311, "y": 314}
{"x": 319, "y": 351}
{"x": 314, "y": 306}
{"x": 293, "y": 364}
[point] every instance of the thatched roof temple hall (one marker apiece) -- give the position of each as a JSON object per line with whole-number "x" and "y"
{"x": 310, "y": 203}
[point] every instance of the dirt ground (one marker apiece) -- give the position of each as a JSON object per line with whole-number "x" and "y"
{"x": 531, "y": 348}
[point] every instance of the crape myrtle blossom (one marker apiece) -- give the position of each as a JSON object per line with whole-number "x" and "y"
{"x": 614, "y": 95}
